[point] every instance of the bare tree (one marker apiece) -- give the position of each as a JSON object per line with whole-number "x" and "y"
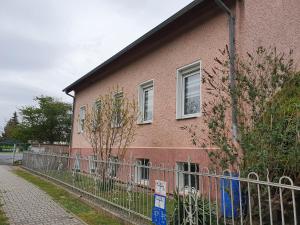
{"x": 110, "y": 124}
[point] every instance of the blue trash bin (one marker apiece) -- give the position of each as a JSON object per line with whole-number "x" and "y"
{"x": 226, "y": 202}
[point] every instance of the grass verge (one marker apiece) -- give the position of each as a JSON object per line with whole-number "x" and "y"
{"x": 3, "y": 218}
{"x": 71, "y": 203}
{"x": 140, "y": 199}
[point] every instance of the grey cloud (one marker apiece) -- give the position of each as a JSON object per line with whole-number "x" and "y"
{"x": 18, "y": 92}
{"x": 44, "y": 16}
{"x": 22, "y": 53}
{"x": 45, "y": 45}
{"x": 12, "y": 97}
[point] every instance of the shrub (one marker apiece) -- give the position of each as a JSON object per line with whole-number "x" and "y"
{"x": 202, "y": 210}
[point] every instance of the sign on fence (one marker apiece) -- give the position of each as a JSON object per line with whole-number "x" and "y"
{"x": 159, "y": 215}
{"x": 161, "y": 187}
{"x": 160, "y": 201}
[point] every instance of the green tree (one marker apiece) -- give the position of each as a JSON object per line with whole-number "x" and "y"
{"x": 267, "y": 93}
{"x": 10, "y": 127}
{"x": 49, "y": 121}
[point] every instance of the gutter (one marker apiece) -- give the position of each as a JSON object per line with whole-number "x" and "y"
{"x": 232, "y": 73}
{"x": 72, "y": 120}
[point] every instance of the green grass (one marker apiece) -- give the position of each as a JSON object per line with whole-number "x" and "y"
{"x": 140, "y": 200}
{"x": 68, "y": 201}
{"x": 3, "y": 218}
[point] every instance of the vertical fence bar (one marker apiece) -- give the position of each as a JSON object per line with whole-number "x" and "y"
{"x": 209, "y": 199}
{"x": 217, "y": 196}
{"x": 293, "y": 200}
{"x": 178, "y": 194}
{"x": 231, "y": 199}
{"x": 190, "y": 214}
{"x": 203, "y": 196}
{"x": 240, "y": 199}
{"x": 259, "y": 203}
{"x": 269, "y": 198}
{"x": 249, "y": 199}
{"x": 281, "y": 206}
{"x": 223, "y": 198}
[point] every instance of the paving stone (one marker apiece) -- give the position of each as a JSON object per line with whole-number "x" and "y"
{"x": 26, "y": 204}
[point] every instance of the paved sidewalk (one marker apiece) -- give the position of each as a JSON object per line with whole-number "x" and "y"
{"x": 25, "y": 204}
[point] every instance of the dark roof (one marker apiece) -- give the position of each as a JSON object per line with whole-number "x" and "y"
{"x": 140, "y": 40}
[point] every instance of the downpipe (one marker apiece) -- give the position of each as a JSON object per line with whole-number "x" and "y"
{"x": 232, "y": 73}
{"x": 72, "y": 121}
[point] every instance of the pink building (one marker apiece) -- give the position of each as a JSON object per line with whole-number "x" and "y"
{"x": 165, "y": 65}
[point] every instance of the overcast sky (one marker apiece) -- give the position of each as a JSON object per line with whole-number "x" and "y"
{"x": 46, "y": 45}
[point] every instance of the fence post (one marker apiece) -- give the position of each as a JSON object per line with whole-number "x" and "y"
{"x": 131, "y": 180}
{"x": 190, "y": 215}
{"x": 13, "y": 160}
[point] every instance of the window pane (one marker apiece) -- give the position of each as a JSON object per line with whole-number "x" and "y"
{"x": 118, "y": 101}
{"x": 81, "y": 118}
{"x": 97, "y": 106}
{"x": 144, "y": 171}
{"x": 194, "y": 178}
{"x": 113, "y": 166}
{"x": 82, "y": 113}
{"x": 148, "y": 104}
{"x": 192, "y": 94}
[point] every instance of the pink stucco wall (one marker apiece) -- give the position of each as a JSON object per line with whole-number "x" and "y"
{"x": 267, "y": 22}
{"x": 201, "y": 43}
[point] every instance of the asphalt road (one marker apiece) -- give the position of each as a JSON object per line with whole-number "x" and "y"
{"x": 7, "y": 157}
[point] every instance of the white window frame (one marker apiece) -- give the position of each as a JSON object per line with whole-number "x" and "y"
{"x": 113, "y": 166}
{"x": 141, "y": 100}
{"x": 80, "y": 127}
{"x": 114, "y": 123}
{"x": 96, "y": 109}
{"x": 180, "y": 177}
{"x": 138, "y": 172}
{"x": 92, "y": 163}
{"x": 182, "y": 73}
{"x": 77, "y": 163}
{"x": 97, "y": 104}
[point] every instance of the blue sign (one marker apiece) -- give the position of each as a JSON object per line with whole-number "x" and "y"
{"x": 159, "y": 215}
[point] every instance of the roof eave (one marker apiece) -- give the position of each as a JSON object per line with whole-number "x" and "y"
{"x": 135, "y": 43}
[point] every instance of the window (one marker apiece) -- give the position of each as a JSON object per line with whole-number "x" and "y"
{"x": 77, "y": 163}
{"x": 142, "y": 171}
{"x": 81, "y": 119}
{"x": 146, "y": 102}
{"x": 96, "y": 116}
{"x": 117, "y": 110}
{"x": 183, "y": 176}
{"x": 113, "y": 166}
{"x": 97, "y": 106}
{"x": 92, "y": 163}
{"x": 188, "y": 91}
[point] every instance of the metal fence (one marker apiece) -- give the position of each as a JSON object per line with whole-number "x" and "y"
{"x": 193, "y": 195}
